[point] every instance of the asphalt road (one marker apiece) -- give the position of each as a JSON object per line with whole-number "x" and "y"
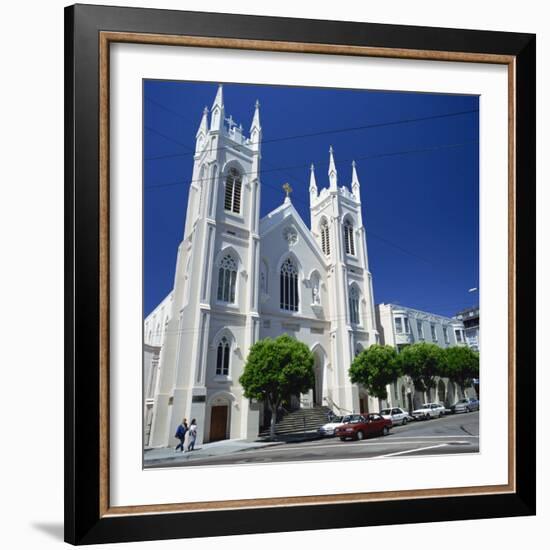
{"x": 448, "y": 435}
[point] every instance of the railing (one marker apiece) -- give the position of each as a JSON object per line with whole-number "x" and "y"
{"x": 332, "y": 405}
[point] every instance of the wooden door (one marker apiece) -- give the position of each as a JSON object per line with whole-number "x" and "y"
{"x": 218, "y": 423}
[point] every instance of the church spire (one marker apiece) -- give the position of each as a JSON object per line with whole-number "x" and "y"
{"x": 216, "y": 122}
{"x": 332, "y": 173}
{"x": 312, "y": 183}
{"x": 255, "y": 127}
{"x": 203, "y": 128}
{"x": 354, "y": 181}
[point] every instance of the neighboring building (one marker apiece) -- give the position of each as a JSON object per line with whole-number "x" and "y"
{"x": 470, "y": 318}
{"x": 151, "y": 355}
{"x": 400, "y": 326}
{"x": 239, "y": 278}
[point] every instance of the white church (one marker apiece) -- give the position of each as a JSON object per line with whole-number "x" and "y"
{"x": 240, "y": 278}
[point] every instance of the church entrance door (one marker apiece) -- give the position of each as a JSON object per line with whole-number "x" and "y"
{"x": 218, "y": 423}
{"x": 318, "y": 382}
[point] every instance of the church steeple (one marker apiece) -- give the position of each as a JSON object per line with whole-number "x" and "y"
{"x": 255, "y": 127}
{"x": 203, "y": 128}
{"x": 355, "y": 187}
{"x": 216, "y": 122}
{"x": 332, "y": 173}
{"x": 202, "y": 131}
{"x": 312, "y": 184}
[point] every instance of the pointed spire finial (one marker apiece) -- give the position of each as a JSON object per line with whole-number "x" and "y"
{"x": 218, "y": 100}
{"x": 217, "y": 110}
{"x": 354, "y": 181}
{"x": 312, "y": 181}
{"x": 203, "y": 127}
{"x": 332, "y": 173}
{"x": 255, "y": 127}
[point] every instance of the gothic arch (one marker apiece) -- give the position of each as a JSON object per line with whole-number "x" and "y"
{"x": 348, "y": 230}
{"x": 224, "y": 331}
{"x": 294, "y": 258}
{"x": 228, "y": 249}
{"x": 354, "y": 303}
{"x": 320, "y": 368}
{"x": 223, "y": 400}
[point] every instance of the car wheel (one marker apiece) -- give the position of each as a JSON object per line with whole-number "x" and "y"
{"x": 342, "y": 439}
{"x": 385, "y": 430}
{"x": 440, "y": 415}
{"x": 404, "y": 421}
{"x": 360, "y": 435}
{"x": 468, "y": 410}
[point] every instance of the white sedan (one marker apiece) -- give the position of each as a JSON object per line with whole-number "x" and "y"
{"x": 327, "y": 430}
{"x": 429, "y": 410}
{"x": 397, "y": 415}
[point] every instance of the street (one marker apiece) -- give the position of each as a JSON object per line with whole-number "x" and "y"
{"x": 447, "y": 435}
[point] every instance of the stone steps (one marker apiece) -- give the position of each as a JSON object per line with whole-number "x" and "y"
{"x": 299, "y": 421}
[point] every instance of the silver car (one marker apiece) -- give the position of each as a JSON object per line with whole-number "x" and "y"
{"x": 465, "y": 405}
{"x": 397, "y": 415}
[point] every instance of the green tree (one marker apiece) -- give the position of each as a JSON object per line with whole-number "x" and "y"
{"x": 423, "y": 362}
{"x": 461, "y": 365}
{"x": 375, "y": 368}
{"x": 275, "y": 369}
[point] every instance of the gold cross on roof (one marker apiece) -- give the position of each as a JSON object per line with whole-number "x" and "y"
{"x": 287, "y": 189}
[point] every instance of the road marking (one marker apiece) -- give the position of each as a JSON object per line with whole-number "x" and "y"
{"x": 412, "y": 451}
{"x": 432, "y": 436}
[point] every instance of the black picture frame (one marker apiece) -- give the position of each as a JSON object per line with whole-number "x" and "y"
{"x": 84, "y": 522}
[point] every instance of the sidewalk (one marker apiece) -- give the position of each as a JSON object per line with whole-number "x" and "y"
{"x": 167, "y": 456}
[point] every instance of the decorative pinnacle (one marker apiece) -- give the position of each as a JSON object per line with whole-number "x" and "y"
{"x": 257, "y": 104}
{"x": 287, "y": 189}
{"x": 205, "y": 110}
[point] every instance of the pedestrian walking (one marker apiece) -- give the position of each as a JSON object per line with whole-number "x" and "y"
{"x": 192, "y": 435}
{"x": 180, "y": 434}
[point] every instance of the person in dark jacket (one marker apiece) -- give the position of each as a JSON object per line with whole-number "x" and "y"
{"x": 180, "y": 434}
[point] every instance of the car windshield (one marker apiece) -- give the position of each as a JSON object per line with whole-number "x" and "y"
{"x": 335, "y": 420}
{"x": 385, "y": 411}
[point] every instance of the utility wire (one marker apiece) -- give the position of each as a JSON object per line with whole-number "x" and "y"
{"x": 323, "y": 162}
{"x": 335, "y": 131}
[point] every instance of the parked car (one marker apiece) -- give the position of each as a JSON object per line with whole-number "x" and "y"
{"x": 360, "y": 426}
{"x": 429, "y": 410}
{"x": 327, "y": 430}
{"x": 465, "y": 405}
{"x": 397, "y": 415}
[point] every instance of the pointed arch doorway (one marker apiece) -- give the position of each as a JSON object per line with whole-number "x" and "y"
{"x": 319, "y": 368}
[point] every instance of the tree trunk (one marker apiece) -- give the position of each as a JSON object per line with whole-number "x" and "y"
{"x": 273, "y": 421}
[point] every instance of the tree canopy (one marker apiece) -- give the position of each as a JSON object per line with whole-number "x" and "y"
{"x": 275, "y": 369}
{"x": 461, "y": 365}
{"x": 423, "y": 362}
{"x": 375, "y": 368}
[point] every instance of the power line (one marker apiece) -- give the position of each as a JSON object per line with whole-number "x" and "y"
{"x": 318, "y": 162}
{"x": 335, "y": 131}
{"x": 169, "y": 138}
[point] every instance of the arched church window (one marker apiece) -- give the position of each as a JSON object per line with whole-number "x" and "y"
{"x": 222, "y": 358}
{"x": 227, "y": 278}
{"x": 354, "y": 305}
{"x": 325, "y": 239}
{"x": 348, "y": 238}
{"x": 233, "y": 184}
{"x": 289, "y": 286}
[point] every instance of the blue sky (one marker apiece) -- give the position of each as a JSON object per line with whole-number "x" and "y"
{"x": 419, "y": 178}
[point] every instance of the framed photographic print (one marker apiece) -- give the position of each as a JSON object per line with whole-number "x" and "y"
{"x": 297, "y": 254}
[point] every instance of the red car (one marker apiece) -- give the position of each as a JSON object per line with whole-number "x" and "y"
{"x": 360, "y": 426}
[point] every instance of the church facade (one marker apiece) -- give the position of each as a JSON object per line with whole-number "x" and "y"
{"x": 240, "y": 278}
